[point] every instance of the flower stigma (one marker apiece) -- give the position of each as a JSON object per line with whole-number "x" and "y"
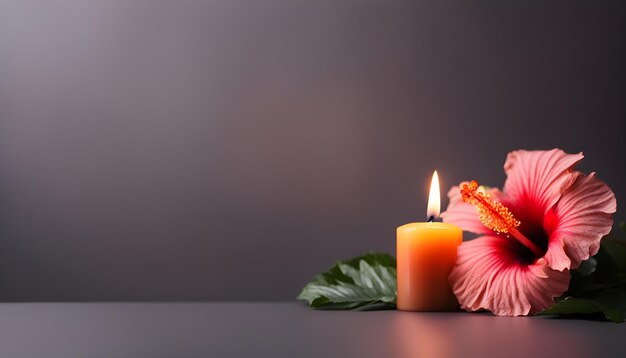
{"x": 495, "y": 216}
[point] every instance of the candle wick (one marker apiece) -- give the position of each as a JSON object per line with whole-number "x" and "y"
{"x": 431, "y": 218}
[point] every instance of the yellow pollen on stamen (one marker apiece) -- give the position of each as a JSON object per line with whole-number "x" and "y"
{"x": 496, "y": 216}
{"x": 492, "y": 214}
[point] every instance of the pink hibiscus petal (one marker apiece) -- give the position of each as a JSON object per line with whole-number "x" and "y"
{"x": 488, "y": 275}
{"x": 536, "y": 179}
{"x": 556, "y": 257}
{"x": 581, "y": 218}
{"x": 464, "y": 215}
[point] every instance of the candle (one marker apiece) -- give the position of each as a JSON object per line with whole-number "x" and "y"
{"x": 426, "y": 253}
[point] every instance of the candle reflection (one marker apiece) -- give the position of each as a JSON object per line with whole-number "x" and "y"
{"x": 443, "y": 335}
{"x": 419, "y": 337}
{"x": 438, "y": 334}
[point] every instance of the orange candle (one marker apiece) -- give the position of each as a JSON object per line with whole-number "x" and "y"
{"x": 426, "y": 253}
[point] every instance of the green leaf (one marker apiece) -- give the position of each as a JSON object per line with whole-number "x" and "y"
{"x": 364, "y": 282}
{"x": 598, "y": 286}
{"x": 605, "y": 271}
{"x": 611, "y": 303}
{"x": 573, "y": 305}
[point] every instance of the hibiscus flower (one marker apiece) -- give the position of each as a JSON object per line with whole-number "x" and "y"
{"x": 546, "y": 221}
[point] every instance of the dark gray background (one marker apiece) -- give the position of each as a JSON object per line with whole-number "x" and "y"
{"x": 229, "y": 150}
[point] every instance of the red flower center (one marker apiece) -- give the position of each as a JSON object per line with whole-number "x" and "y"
{"x": 497, "y": 217}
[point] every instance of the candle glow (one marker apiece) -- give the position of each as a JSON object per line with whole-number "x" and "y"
{"x": 426, "y": 252}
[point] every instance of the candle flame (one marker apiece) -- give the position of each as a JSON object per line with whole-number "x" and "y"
{"x": 434, "y": 199}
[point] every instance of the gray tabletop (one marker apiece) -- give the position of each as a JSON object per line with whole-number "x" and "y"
{"x": 287, "y": 330}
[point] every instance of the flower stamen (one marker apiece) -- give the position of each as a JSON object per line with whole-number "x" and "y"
{"x": 495, "y": 216}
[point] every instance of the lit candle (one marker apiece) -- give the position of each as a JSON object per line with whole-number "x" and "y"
{"x": 426, "y": 253}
